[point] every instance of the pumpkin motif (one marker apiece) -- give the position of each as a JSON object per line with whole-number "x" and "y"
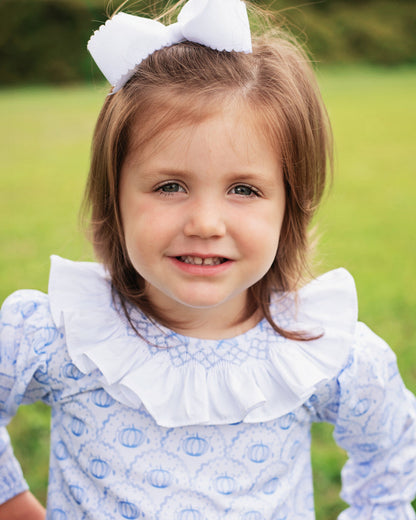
{"x": 41, "y": 376}
{"x": 128, "y": 510}
{"x": 131, "y": 437}
{"x": 42, "y": 341}
{"x": 102, "y": 399}
{"x": 71, "y": 372}
{"x": 77, "y": 493}
{"x": 225, "y": 484}
{"x": 258, "y": 453}
{"x": 294, "y": 450}
{"x": 77, "y": 426}
{"x": 61, "y": 451}
{"x": 58, "y": 514}
{"x": 195, "y": 446}
{"x": 190, "y": 514}
{"x": 270, "y": 486}
{"x": 361, "y": 408}
{"x": 159, "y": 478}
{"x": 286, "y": 421}
{"x": 99, "y": 468}
{"x": 27, "y": 309}
{"x": 367, "y": 447}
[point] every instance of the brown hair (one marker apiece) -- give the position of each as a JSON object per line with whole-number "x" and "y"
{"x": 186, "y": 83}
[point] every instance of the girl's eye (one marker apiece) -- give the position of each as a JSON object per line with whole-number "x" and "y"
{"x": 245, "y": 191}
{"x": 170, "y": 187}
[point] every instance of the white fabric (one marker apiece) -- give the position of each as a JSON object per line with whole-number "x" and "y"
{"x": 255, "y": 385}
{"x": 125, "y": 40}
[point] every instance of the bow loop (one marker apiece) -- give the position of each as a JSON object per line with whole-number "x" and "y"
{"x": 219, "y": 24}
{"x": 124, "y": 41}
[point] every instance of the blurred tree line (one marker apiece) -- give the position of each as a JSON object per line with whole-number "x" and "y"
{"x": 44, "y": 41}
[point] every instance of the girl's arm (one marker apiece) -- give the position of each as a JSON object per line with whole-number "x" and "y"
{"x": 375, "y": 422}
{"x": 23, "y": 333}
{"x": 22, "y": 507}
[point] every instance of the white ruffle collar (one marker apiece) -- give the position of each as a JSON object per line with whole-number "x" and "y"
{"x": 255, "y": 377}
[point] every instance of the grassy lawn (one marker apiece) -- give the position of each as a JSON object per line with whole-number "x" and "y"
{"x": 367, "y": 223}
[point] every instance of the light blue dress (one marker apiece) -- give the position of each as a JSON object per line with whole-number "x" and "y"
{"x": 167, "y": 427}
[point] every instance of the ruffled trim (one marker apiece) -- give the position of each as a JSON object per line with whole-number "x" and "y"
{"x": 178, "y": 391}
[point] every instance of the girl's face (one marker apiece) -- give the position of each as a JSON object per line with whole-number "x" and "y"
{"x": 202, "y": 207}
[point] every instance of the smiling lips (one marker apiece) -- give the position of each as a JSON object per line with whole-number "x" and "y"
{"x": 197, "y": 260}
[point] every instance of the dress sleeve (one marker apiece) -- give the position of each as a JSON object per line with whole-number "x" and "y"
{"x": 24, "y": 334}
{"x": 375, "y": 422}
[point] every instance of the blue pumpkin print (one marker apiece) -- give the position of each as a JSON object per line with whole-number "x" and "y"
{"x": 364, "y": 469}
{"x": 102, "y": 399}
{"x": 128, "y": 510}
{"x": 159, "y": 478}
{"x": 190, "y": 514}
{"x": 195, "y": 446}
{"x": 369, "y": 447}
{"x": 77, "y": 493}
{"x": 77, "y": 426}
{"x": 131, "y": 437}
{"x": 258, "y": 453}
{"x": 46, "y": 337}
{"x": 286, "y": 421}
{"x": 41, "y": 376}
{"x": 294, "y": 450}
{"x": 58, "y": 514}
{"x": 27, "y": 309}
{"x": 225, "y": 484}
{"x": 99, "y": 468}
{"x": 60, "y": 451}
{"x": 270, "y": 486}
{"x": 71, "y": 372}
{"x": 361, "y": 408}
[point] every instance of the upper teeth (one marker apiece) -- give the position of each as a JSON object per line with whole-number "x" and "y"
{"x": 196, "y": 260}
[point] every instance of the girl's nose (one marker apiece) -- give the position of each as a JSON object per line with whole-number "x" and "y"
{"x": 205, "y": 220}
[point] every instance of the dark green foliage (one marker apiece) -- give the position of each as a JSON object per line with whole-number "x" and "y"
{"x": 376, "y": 32}
{"x": 44, "y": 41}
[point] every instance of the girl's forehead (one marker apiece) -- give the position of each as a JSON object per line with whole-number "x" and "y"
{"x": 152, "y": 130}
{"x": 228, "y": 140}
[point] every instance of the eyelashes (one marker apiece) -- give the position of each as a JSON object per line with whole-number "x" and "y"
{"x": 245, "y": 190}
{"x": 170, "y": 188}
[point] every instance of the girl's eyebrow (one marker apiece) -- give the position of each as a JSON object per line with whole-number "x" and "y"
{"x": 165, "y": 172}
{"x": 233, "y": 176}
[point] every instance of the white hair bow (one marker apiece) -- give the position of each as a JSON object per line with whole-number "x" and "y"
{"x": 119, "y": 45}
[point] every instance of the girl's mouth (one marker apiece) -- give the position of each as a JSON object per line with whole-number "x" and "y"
{"x": 197, "y": 260}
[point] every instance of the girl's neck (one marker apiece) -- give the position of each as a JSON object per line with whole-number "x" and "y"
{"x": 215, "y": 328}
{"x": 212, "y": 323}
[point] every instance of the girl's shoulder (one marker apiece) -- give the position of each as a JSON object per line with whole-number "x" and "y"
{"x": 328, "y": 301}
{"x": 326, "y": 310}
{"x": 26, "y": 308}
{"x": 68, "y": 282}
{"x": 76, "y": 285}
{"x": 29, "y": 339}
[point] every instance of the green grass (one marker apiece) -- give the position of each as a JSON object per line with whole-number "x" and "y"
{"x": 367, "y": 223}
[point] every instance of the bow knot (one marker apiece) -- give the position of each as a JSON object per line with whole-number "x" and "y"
{"x": 125, "y": 40}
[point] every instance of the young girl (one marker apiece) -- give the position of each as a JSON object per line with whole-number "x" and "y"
{"x": 184, "y": 371}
